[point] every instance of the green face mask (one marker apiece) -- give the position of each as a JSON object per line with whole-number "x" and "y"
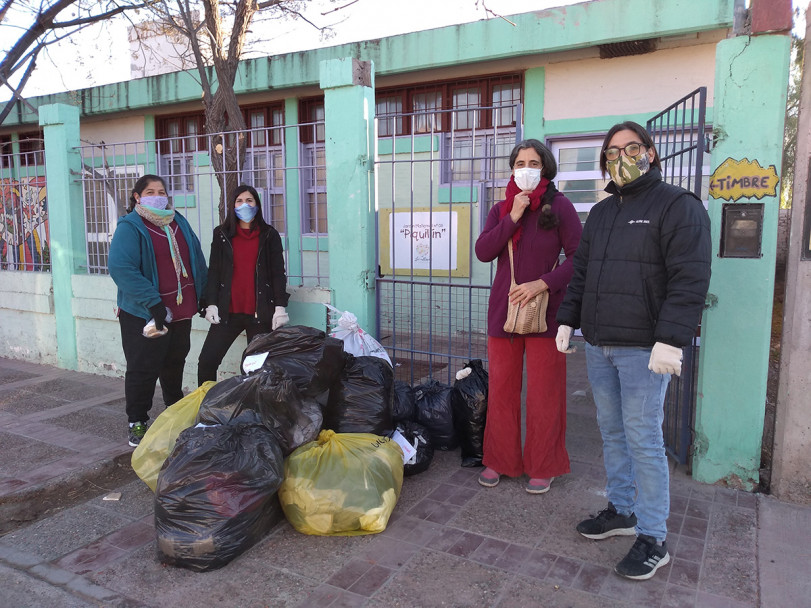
{"x": 625, "y": 169}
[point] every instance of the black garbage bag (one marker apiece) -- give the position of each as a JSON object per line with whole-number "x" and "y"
{"x": 361, "y": 401}
{"x": 404, "y": 407}
{"x": 313, "y": 359}
{"x": 269, "y": 397}
{"x": 434, "y": 412}
{"x": 217, "y": 495}
{"x": 469, "y": 403}
{"x": 416, "y": 435}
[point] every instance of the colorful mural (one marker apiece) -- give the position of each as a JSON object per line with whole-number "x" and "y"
{"x": 24, "y": 224}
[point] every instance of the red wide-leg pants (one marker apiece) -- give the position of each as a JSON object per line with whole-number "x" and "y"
{"x": 544, "y": 454}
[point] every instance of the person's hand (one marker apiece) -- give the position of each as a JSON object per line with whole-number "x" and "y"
{"x": 212, "y": 314}
{"x": 280, "y": 317}
{"x": 520, "y": 203}
{"x": 523, "y": 293}
{"x": 159, "y": 314}
{"x": 665, "y": 359}
{"x": 563, "y": 340}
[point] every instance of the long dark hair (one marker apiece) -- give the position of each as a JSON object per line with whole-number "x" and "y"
{"x": 229, "y": 226}
{"x": 141, "y": 185}
{"x": 547, "y": 220}
{"x": 644, "y": 138}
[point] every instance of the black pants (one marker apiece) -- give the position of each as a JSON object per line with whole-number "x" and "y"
{"x": 150, "y": 359}
{"x": 220, "y": 338}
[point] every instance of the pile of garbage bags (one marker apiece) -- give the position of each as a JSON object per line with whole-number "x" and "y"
{"x": 316, "y": 429}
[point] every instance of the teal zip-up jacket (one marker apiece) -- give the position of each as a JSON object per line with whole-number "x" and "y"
{"x": 133, "y": 268}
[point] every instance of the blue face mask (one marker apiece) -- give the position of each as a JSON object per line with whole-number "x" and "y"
{"x": 154, "y": 202}
{"x": 245, "y": 212}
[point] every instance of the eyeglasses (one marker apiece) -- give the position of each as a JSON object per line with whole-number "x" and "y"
{"x": 631, "y": 149}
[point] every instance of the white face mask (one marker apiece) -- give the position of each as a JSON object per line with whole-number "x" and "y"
{"x": 155, "y": 202}
{"x": 527, "y": 178}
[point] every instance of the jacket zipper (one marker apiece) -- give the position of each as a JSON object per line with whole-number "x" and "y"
{"x": 256, "y": 278}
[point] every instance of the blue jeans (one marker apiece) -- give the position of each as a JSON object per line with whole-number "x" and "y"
{"x": 630, "y": 409}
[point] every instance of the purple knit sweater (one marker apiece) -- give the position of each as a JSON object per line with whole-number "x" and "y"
{"x": 535, "y": 256}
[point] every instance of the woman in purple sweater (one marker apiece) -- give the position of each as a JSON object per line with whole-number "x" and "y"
{"x": 541, "y": 222}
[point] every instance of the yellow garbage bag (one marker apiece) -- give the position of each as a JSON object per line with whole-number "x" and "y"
{"x": 160, "y": 438}
{"x": 342, "y": 484}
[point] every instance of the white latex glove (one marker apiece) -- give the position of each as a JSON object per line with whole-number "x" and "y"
{"x": 280, "y": 317}
{"x": 665, "y": 359}
{"x": 212, "y": 314}
{"x": 562, "y": 340}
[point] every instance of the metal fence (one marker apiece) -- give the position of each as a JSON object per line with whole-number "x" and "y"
{"x": 24, "y": 234}
{"x": 679, "y": 133}
{"x": 187, "y": 164}
{"x": 434, "y": 190}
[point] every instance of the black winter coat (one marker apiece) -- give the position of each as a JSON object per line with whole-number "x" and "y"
{"x": 270, "y": 277}
{"x": 642, "y": 269}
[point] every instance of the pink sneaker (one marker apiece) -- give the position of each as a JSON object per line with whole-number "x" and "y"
{"x": 489, "y": 478}
{"x": 538, "y": 486}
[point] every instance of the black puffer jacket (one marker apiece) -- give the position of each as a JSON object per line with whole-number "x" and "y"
{"x": 642, "y": 269}
{"x": 270, "y": 277}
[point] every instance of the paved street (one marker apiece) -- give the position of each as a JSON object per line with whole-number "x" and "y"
{"x": 450, "y": 542}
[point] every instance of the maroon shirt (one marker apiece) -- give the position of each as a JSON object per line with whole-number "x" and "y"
{"x": 167, "y": 278}
{"x": 243, "y": 282}
{"x": 535, "y": 257}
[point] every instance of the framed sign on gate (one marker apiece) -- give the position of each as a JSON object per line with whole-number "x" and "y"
{"x": 425, "y": 242}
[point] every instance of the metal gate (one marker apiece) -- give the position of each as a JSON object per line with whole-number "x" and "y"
{"x": 679, "y": 133}
{"x": 435, "y": 186}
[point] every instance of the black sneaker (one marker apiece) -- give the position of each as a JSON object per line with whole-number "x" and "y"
{"x": 137, "y": 430}
{"x": 608, "y": 523}
{"x": 644, "y": 559}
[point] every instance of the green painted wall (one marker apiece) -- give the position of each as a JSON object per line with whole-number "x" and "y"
{"x": 560, "y": 29}
{"x": 750, "y": 102}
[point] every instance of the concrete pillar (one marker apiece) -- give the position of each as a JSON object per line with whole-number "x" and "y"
{"x": 791, "y": 476}
{"x": 748, "y": 117}
{"x": 349, "y": 109}
{"x": 63, "y": 163}
{"x": 292, "y": 189}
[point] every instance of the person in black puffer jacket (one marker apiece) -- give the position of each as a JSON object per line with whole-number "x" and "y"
{"x": 246, "y": 280}
{"x": 641, "y": 274}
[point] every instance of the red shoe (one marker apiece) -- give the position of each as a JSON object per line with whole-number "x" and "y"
{"x": 489, "y": 478}
{"x": 538, "y": 486}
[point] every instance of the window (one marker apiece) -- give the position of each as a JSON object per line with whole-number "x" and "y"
{"x": 311, "y": 112}
{"x": 5, "y": 151}
{"x": 106, "y": 196}
{"x": 179, "y": 139}
{"x": 389, "y": 110}
{"x": 264, "y": 161}
{"x": 579, "y": 176}
{"x": 472, "y": 104}
{"x": 32, "y": 149}
{"x": 314, "y": 176}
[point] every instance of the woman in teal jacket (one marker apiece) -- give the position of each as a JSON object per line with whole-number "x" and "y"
{"x": 160, "y": 271}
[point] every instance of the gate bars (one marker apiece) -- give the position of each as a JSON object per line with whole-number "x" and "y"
{"x": 679, "y": 136}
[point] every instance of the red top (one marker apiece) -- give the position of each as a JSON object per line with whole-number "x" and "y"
{"x": 167, "y": 278}
{"x": 243, "y": 283}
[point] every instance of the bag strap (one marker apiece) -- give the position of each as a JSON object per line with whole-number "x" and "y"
{"x": 512, "y": 271}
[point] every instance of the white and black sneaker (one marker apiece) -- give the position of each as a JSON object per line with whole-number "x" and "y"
{"x": 607, "y": 523}
{"x": 644, "y": 559}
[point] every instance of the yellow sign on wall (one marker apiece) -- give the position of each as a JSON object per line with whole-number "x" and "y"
{"x": 736, "y": 179}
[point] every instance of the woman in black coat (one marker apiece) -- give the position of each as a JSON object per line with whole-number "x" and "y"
{"x": 246, "y": 280}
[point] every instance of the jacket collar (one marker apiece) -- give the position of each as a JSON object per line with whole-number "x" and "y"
{"x": 643, "y": 182}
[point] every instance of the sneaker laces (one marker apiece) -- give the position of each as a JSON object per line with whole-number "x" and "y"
{"x": 606, "y": 514}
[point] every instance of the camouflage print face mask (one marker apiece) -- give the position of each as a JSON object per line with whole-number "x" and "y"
{"x": 625, "y": 169}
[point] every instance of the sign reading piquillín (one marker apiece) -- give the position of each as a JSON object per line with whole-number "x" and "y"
{"x": 736, "y": 179}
